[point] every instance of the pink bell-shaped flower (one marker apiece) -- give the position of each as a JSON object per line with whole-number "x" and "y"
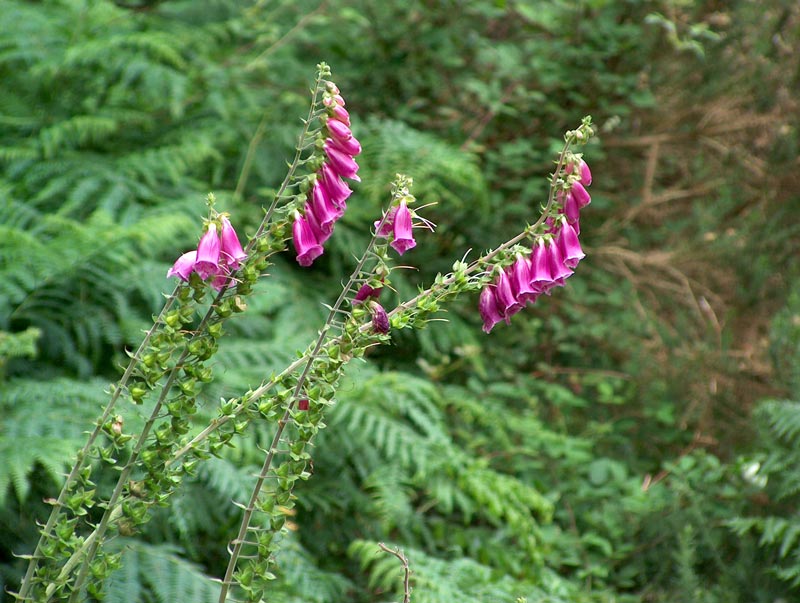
{"x": 335, "y": 188}
{"x": 519, "y": 277}
{"x": 342, "y": 163}
{"x": 231, "y": 250}
{"x": 581, "y": 195}
{"x": 487, "y": 306}
{"x": 208, "y": 250}
{"x": 541, "y": 274}
{"x": 507, "y": 303}
{"x": 183, "y": 266}
{"x": 305, "y": 243}
{"x": 569, "y": 245}
{"x": 558, "y": 269}
{"x": 403, "y": 238}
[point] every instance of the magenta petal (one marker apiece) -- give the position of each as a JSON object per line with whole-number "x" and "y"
{"x": 487, "y": 306}
{"x": 324, "y": 209}
{"x": 581, "y": 195}
{"x": 403, "y": 239}
{"x": 387, "y": 225}
{"x": 507, "y": 302}
{"x": 341, "y": 114}
{"x": 183, "y": 266}
{"x": 231, "y": 250}
{"x": 519, "y": 277}
{"x": 321, "y": 232}
{"x": 305, "y": 243}
{"x": 569, "y": 245}
{"x": 335, "y": 188}
{"x": 586, "y": 174}
{"x": 557, "y": 267}
{"x": 571, "y": 208}
{"x": 351, "y": 146}
{"x": 338, "y": 130}
{"x": 342, "y": 163}
{"x": 541, "y": 275}
{"x": 208, "y": 251}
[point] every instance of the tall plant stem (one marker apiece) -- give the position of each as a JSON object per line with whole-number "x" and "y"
{"x": 85, "y": 452}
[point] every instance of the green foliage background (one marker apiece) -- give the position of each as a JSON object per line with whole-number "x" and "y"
{"x": 633, "y": 438}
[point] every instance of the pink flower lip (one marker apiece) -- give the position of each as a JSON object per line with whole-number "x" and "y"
{"x": 183, "y": 266}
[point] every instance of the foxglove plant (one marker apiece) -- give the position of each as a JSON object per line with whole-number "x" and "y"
{"x": 166, "y": 373}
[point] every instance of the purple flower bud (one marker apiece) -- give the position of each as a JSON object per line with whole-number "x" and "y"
{"x": 569, "y": 245}
{"x": 586, "y": 174}
{"x": 208, "y": 250}
{"x": 342, "y": 163}
{"x": 581, "y": 195}
{"x": 380, "y": 320}
{"x": 341, "y": 114}
{"x": 487, "y": 306}
{"x": 366, "y": 292}
{"x": 403, "y": 239}
{"x": 305, "y": 243}
{"x": 231, "y": 250}
{"x": 183, "y": 266}
{"x": 335, "y": 188}
{"x": 541, "y": 274}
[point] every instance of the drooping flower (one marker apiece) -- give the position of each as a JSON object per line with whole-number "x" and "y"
{"x": 183, "y": 266}
{"x": 341, "y": 162}
{"x": 581, "y": 195}
{"x": 231, "y": 250}
{"x": 541, "y": 274}
{"x": 569, "y": 245}
{"x": 519, "y": 278}
{"x": 403, "y": 238}
{"x": 336, "y": 188}
{"x": 208, "y": 250}
{"x": 383, "y": 228}
{"x": 558, "y": 269}
{"x": 487, "y": 306}
{"x": 507, "y": 303}
{"x": 305, "y": 242}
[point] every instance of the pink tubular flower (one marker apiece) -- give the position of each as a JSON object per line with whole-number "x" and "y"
{"x": 519, "y": 277}
{"x": 208, "y": 250}
{"x": 326, "y": 212}
{"x": 339, "y": 113}
{"x": 335, "y": 188}
{"x": 558, "y": 269}
{"x": 541, "y": 274}
{"x": 350, "y": 146}
{"x": 487, "y": 306}
{"x": 342, "y": 163}
{"x": 569, "y": 245}
{"x": 305, "y": 243}
{"x": 581, "y": 195}
{"x": 183, "y": 266}
{"x": 403, "y": 238}
{"x": 231, "y": 250}
{"x": 338, "y": 130}
{"x": 507, "y": 303}
{"x": 388, "y": 223}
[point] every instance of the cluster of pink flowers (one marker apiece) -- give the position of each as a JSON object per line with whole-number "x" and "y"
{"x": 328, "y": 195}
{"x": 216, "y": 256}
{"x": 552, "y": 260}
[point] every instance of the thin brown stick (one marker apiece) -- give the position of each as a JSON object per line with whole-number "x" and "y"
{"x": 406, "y": 570}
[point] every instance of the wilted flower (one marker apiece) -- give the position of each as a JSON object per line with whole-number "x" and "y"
{"x": 380, "y": 320}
